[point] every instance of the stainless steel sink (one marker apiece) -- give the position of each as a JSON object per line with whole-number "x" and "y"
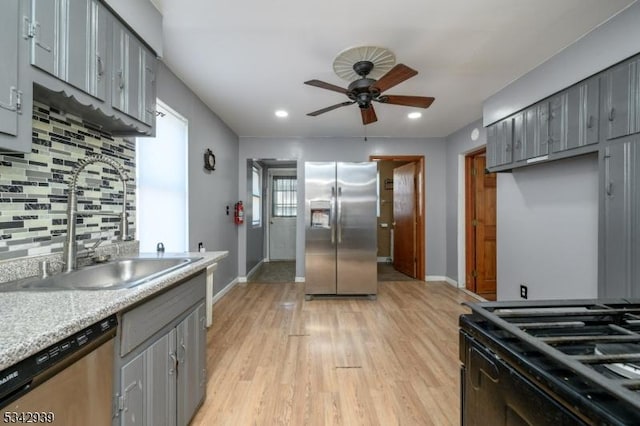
{"x": 120, "y": 273}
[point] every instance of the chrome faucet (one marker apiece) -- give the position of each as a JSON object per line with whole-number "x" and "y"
{"x": 70, "y": 246}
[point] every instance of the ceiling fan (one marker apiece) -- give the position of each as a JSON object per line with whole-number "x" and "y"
{"x": 365, "y": 90}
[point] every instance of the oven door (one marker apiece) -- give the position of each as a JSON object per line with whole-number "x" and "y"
{"x": 495, "y": 394}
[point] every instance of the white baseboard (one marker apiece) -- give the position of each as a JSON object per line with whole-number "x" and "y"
{"x": 435, "y": 278}
{"x": 384, "y": 259}
{"x": 475, "y": 296}
{"x": 255, "y": 268}
{"x": 225, "y": 290}
{"x": 451, "y": 281}
{"x": 242, "y": 279}
{"x": 299, "y": 279}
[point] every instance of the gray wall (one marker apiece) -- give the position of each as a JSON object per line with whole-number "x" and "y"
{"x": 547, "y": 232}
{"x": 611, "y": 42}
{"x": 209, "y": 192}
{"x": 355, "y": 149}
{"x": 458, "y": 144}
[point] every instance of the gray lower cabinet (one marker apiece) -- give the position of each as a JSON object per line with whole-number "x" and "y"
{"x": 160, "y": 367}
{"x": 621, "y": 248}
{"x": 622, "y": 99}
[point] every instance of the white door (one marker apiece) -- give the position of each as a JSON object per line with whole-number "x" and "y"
{"x": 282, "y": 209}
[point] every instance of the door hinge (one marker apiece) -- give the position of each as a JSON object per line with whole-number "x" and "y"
{"x": 118, "y": 404}
{"x": 13, "y": 106}
{"x": 28, "y": 29}
{"x": 474, "y": 222}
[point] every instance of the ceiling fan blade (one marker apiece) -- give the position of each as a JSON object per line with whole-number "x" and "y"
{"x": 328, "y": 86}
{"x": 412, "y": 101}
{"x": 397, "y": 75}
{"x": 368, "y": 115}
{"x": 331, "y": 108}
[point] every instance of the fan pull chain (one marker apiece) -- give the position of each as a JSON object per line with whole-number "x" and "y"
{"x": 365, "y": 133}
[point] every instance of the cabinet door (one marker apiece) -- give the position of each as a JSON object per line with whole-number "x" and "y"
{"x": 128, "y": 63}
{"x": 504, "y": 152}
{"x": 622, "y": 221}
{"x": 86, "y": 29}
{"x": 79, "y": 34}
{"x": 161, "y": 381}
{"x": 621, "y": 99}
{"x": 492, "y": 145}
{"x": 135, "y": 84}
{"x": 558, "y": 122}
{"x": 149, "y": 87}
{"x": 191, "y": 339}
{"x": 119, "y": 60}
{"x": 9, "y": 68}
{"x": 132, "y": 391}
{"x": 46, "y": 19}
{"x": 583, "y": 114}
{"x": 148, "y": 385}
{"x": 518, "y": 138}
{"x": 536, "y": 130}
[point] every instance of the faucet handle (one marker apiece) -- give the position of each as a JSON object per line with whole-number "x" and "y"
{"x": 160, "y": 248}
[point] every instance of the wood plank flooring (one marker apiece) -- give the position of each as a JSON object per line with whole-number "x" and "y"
{"x": 275, "y": 359}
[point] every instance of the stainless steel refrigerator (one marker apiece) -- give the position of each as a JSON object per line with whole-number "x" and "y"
{"x": 340, "y": 229}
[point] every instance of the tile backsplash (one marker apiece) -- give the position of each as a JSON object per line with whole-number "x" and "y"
{"x": 33, "y": 186}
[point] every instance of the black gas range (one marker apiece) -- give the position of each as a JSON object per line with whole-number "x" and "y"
{"x": 551, "y": 363}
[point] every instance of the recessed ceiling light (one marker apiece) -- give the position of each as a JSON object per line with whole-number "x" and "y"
{"x": 282, "y": 113}
{"x": 414, "y": 115}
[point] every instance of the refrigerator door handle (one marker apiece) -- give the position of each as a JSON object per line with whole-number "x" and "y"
{"x": 332, "y": 213}
{"x": 339, "y": 220}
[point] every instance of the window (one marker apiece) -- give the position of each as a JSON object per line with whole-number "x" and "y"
{"x": 257, "y": 196}
{"x": 284, "y": 196}
{"x": 161, "y": 174}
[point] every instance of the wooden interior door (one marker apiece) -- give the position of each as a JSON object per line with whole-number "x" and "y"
{"x": 404, "y": 219}
{"x": 481, "y": 228}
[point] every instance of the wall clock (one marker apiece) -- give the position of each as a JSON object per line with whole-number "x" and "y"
{"x": 209, "y": 160}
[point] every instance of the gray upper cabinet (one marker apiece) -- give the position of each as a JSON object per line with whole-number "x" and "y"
{"x": 10, "y": 94}
{"x": 536, "y": 130}
{"x": 583, "y": 115}
{"x": 133, "y": 89}
{"x": 500, "y": 143}
{"x": 557, "y": 139}
{"x": 621, "y": 220}
{"x": 518, "y": 138}
{"x": 621, "y": 106}
{"x": 47, "y": 35}
{"x": 86, "y": 58}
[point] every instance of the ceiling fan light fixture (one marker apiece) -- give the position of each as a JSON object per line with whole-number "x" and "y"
{"x": 414, "y": 115}
{"x": 381, "y": 58}
{"x": 281, "y": 113}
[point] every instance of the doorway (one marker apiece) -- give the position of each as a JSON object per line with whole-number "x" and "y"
{"x": 271, "y": 220}
{"x": 480, "y": 226}
{"x": 401, "y": 218}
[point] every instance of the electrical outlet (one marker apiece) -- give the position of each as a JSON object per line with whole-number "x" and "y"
{"x": 524, "y": 290}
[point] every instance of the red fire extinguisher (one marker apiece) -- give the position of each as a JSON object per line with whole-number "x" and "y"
{"x": 238, "y": 214}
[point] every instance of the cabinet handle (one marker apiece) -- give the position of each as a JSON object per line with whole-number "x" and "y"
{"x": 174, "y": 362}
{"x": 612, "y": 114}
{"x": 609, "y": 189}
{"x": 590, "y": 122}
{"x": 37, "y": 38}
{"x": 100, "y": 66}
{"x": 508, "y": 148}
{"x": 517, "y": 144}
{"x": 11, "y": 106}
{"x": 121, "y": 80}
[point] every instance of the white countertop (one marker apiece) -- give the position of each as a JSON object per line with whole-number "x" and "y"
{"x": 33, "y": 320}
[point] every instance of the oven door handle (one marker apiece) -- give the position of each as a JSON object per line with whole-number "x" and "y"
{"x": 479, "y": 363}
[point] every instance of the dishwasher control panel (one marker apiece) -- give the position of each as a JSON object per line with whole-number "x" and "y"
{"x": 18, "y": 379}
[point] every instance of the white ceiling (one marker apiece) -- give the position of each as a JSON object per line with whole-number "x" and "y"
{"x": 245, "y": 59}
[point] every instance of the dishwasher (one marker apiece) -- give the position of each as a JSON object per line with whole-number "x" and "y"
{"x": 68, "y": 383}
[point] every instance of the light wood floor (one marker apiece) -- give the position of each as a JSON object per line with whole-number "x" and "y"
{"x": 275, "y": 359}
